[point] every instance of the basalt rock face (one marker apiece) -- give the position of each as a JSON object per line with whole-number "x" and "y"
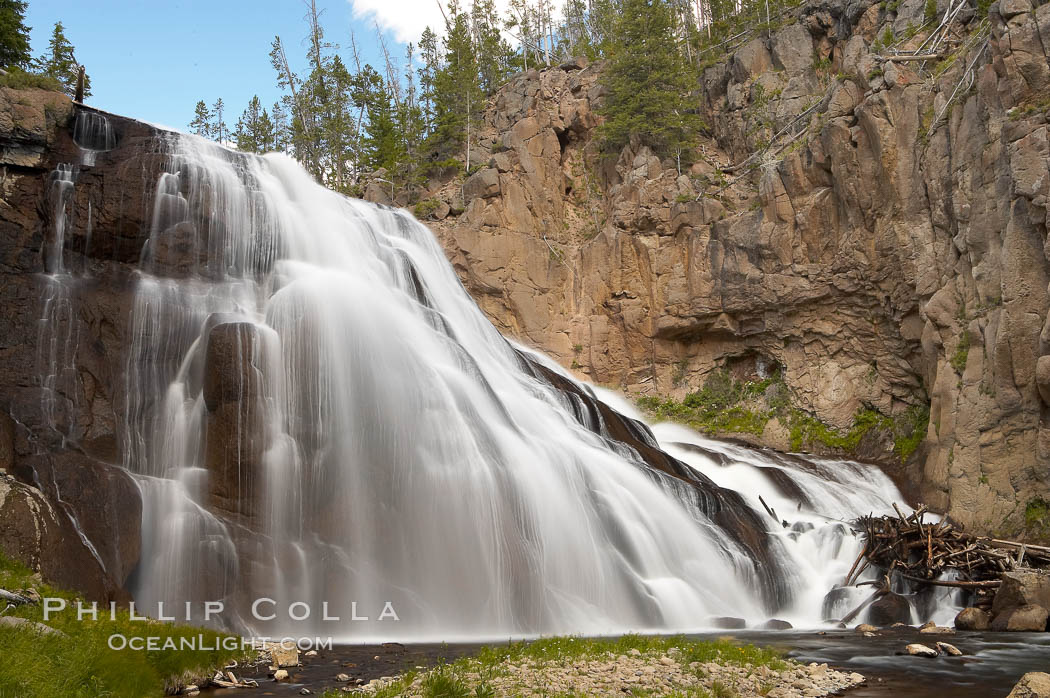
{"x": 889, "y": 252}
{"x": 70, "y": 237}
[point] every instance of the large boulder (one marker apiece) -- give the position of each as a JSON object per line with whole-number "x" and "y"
{"x": 36, "y": 533}
{"x": 889, "y": 609}
{"x": 1023, "y": 619}
{"x": 481, "y": 185}
{"x": 793, "y": 49}
{"x": 101, "y": 501}
{"x": 236, "y": 427}
{"x": 750, "y": 60}
{"x": 1022, "y": 588}
{"x": 972, "y": 619}
{"x": 1034, "y": 684}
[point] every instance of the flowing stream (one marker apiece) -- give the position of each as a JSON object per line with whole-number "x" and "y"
{"x": 321, "y": 416}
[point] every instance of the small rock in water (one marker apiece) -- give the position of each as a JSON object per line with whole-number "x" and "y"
{"x": 190, "y": 690}
{"x": 280, "y": 675}
{"x": 949, "y": 649}
{"x": 866, "y": 628}
{"x": 342, "y": 678}
{"x": 311, "y": 653}
{"x": 917, "y": 650}
{"x": 932, "y": 629}
{"x": 304, "y": 691}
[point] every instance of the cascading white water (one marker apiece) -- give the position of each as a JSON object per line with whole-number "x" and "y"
{"x": 94, "y": 134}
{"x": 319, "y": 413}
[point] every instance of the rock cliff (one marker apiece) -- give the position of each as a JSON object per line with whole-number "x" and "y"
{"x": 70, "y": 237}
{"x": 872, "y": 231}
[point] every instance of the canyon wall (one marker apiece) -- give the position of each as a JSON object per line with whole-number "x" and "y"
{"x": 887, "y": 253}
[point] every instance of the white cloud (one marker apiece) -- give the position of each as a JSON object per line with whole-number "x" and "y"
{"x": 407, "y": 19}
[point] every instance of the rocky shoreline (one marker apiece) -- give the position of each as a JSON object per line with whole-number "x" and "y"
{"x": 637, "y": 672}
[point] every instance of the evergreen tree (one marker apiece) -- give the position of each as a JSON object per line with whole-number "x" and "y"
{"x": 218, "y": 129}
{"x": 14, "y": 35}
{"x": 60, "y": 63}
{"x": 278, "y": 139}
{"x": 648, "y": 82}
{"x": 601, "y": 24}
{"x": 201, "y": 123}
{"x": 254, "y": 128}
{"x": 457, "y": 93}
{"x": 431, "y": 63}
{"x": 492, "y": 50}
{"x": 382, "y": 141}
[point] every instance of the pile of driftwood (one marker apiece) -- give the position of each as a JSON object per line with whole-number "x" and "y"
{"x": 908, "y": 547}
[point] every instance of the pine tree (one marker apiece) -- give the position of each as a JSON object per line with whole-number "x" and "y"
{"x": 14, "y": 35}
{"x": 60, "y": 63}
{"x": 278, "y": 139}
{"x": 382, "y": 142}
{"x": 254, "y": 128}
{"x": 218, "y": 129}
{"x": 457, "y": 93}
{"x": 492, "y": 50}
{"x": 601, "y": 24}
{"x": 428, "y": 53}
{"x": 201, "y": 124}
{"x": 648, "y": 82}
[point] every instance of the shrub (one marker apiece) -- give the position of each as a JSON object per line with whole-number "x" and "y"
{"x": 20, "y": 80}
{"x": 962, "y": 352}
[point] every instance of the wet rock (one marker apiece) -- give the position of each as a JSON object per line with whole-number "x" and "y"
{"x": 232, "y": 364}
{"x": 34, "y": 532}
{"x": 280, "y": 675}
{"x": 932, "y": 628}
{"x": 776, "y": 624}
{"x": 1021, "y": 619}
{"x": 949, "y": 649}
{"x": 1034, "y": 684}
{"x": 866, "y": 628}
{"x": 342, "y": 678}
{"x": 1022, "y": 588}
{"x": 972, "y": 619}
{"x": 727, "y": 623}
{"x": 917, "y": 650}
{"x": 889, "y": 609}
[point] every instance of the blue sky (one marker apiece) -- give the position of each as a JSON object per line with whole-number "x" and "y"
{"x": 153, "y": 59}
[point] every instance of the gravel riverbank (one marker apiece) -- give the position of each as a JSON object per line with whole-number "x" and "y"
{"x": 669, "y": 671}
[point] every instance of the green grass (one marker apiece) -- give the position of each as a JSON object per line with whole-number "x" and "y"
{"x": 908, "y": 429}
{"x": 82, "y": 664}
{"x": 1037, "y": 518}
{"x": 717, "y": 408}
{"x": 727, "y": 406}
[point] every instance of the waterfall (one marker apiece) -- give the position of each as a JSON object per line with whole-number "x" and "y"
{"x": 318, "y": 413}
